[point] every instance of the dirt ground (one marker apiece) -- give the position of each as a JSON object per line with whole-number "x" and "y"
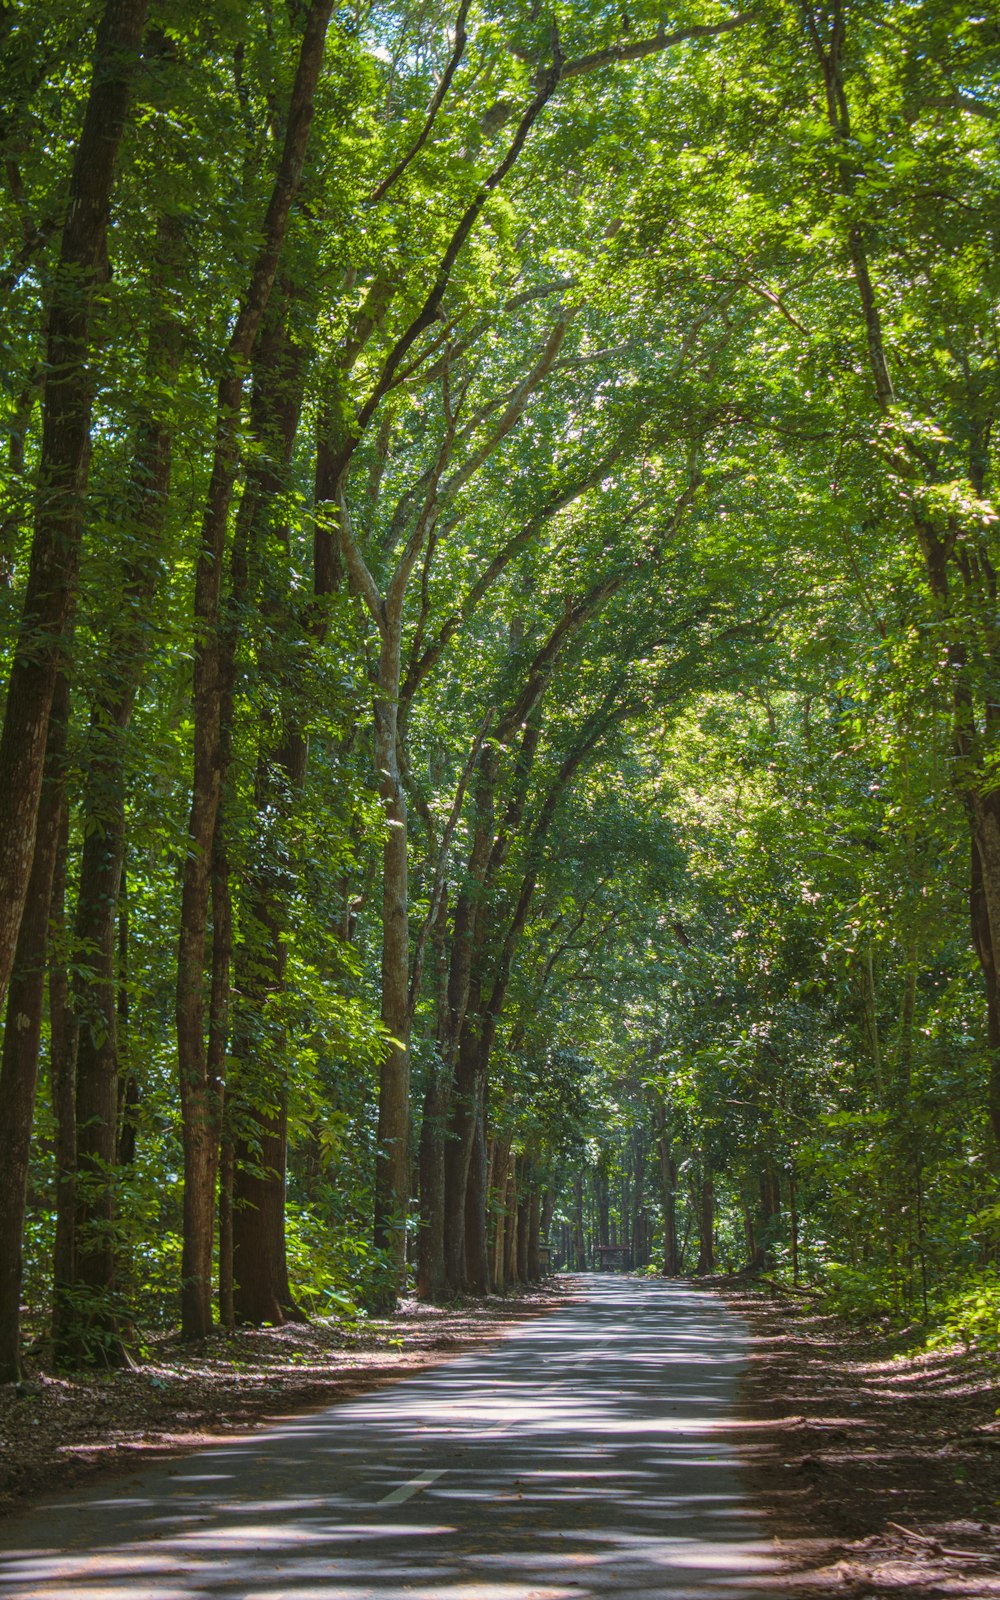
{"x": 878, "y": 1473}
{"x": 54, "y": 1430}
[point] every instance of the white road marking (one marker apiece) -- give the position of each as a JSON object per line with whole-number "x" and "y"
{"x": 407, "y": 1490}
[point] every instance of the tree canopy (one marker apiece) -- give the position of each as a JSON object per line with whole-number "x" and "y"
{"x": 498, "y": 615}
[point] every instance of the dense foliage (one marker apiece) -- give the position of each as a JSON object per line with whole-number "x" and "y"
{"x": 498, "y": 609}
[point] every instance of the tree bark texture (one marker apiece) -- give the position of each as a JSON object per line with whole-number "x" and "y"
{"x": 201, "y": 1094}
{"x": 666, "y": 1171}
{"x": 430, "y": 1250}
{"x": 253, "y": 1255}
{"x": 105, "y": 760}
{"x": 62, "y": 1083}
{"x": 49, "y": 602}
{"x": 706, "y": 1226}
{"x": 392, "y": 1169}
{"x": 477, "y": 1267}
{"x": 22, "y": 1035}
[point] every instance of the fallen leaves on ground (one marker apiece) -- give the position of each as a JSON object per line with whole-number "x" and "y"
{"x": 54, "y": 1429}
{"x": 879, "y": 1473}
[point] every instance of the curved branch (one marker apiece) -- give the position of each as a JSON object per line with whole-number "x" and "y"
{"x": 435, "y": 106}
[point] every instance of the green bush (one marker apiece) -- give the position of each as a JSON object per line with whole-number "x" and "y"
{"x": 971, "y": 1316}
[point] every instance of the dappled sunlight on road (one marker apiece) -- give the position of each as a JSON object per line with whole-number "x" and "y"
{"x": 591, "y": 1453}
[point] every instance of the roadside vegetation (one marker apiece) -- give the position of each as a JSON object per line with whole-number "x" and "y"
{"x": 498, "y": 613}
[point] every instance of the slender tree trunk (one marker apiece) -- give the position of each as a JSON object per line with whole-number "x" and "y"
{"x": 96, "y": 984}
{"x": 255, "y": 1248}
{"x": 770, "y": 1211}
{"x": 579, "y": 1242}
{"x": 129, "y": 1094}
{"x": 431, "y": 1277}
{"x": 201, "y": 1093}
{"x": 50, "y": 597}
{"x": 523, "y": 1223}
{"x": 392, "y": 1161}
{"x": 500, "y": 1168}
{"x": 227, "y": 1309}
{"x": 793, "y": 1221}
{"x": 603, "y": 1206}
{"x": 22, "y": 1035}
{"x": 477, "y": 1267}
{"x": 430, "y": 1250}
{"x": 706, "y": 1227}
{"x": 62, "y": 1075}
{"x": 511, "y": 1241}
{"x": 458, "y": 1153}
{"x": 755, "y": 1255}
{"x": 533, "y": 1260}
{"x": 548, "y": 1212}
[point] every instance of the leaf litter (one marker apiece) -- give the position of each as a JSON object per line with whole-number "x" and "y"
{"x": 877, "y": 1470}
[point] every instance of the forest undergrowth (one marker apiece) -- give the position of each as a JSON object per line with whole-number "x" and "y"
{"x": 875, "y": 1460}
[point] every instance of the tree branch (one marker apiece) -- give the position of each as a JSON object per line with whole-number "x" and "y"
{"x": 432, "y": 111}
{"x": 638, "y": 49}
{"x": 440, "y": 869}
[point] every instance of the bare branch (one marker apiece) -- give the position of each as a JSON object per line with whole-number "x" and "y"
{"x": 775, "y": 300}
{"x": 515, "y": 408}
{"x": 433, "y": 109}
{"x": 357, "y": 567}
{"x": 429, "y": 310}
{"x": 638, "y": 49}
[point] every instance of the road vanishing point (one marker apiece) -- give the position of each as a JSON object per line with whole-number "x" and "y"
{"x": 590, "y": 1452}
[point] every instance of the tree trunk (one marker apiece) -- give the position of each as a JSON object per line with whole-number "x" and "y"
{"x": 638, "y": 1200}
{"x": 579, "y": 1242}
{"x": 755, "y": 1255}
{"x": 279, "y": 381}
{"x": 257, "y": 1225}
{"x": 200, "y": 1092}
{"x": 105, "y": 778}
{"x": 770, "y": 1211}
{"x": 533, "y": 1260}
{"x": 22, "y": 1035}
{"x": 392, "y": 1162}
{"x": 793, "y": 1222}
{"x": 984, "y": 908}
{"x": 511, "y": 1240}
{"x": 62, "y": 1076}
{"x": 500, "y": 1166}
{"x": 129, "y": 1094}
{"x": 548, "y": 1211}
{"x": 477, "y": 1269}
{"x": 523, "y": 1224}
{"x": 50, "y": 598}
{"x": 458, "y": 1153}
{"x": 431, "y": 1278}
{"x": 706, "y": 1227}
{"x": 227, "y": 1309}
{"x": 603, "y": 1203}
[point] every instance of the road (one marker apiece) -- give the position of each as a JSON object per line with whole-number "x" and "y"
{"x": 588, "y": 1453}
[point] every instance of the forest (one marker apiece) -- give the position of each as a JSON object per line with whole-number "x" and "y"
{"x": 500, "y": 762}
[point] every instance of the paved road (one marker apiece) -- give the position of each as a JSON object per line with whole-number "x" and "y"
{"x": 586, "y": 1454}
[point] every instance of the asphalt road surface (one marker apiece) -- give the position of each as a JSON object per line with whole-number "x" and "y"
{"x": 588, "y": 1453}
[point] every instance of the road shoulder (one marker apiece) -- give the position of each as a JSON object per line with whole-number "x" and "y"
{"x": 876, "y": 1473}
{"x": 56, "y": 1430}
